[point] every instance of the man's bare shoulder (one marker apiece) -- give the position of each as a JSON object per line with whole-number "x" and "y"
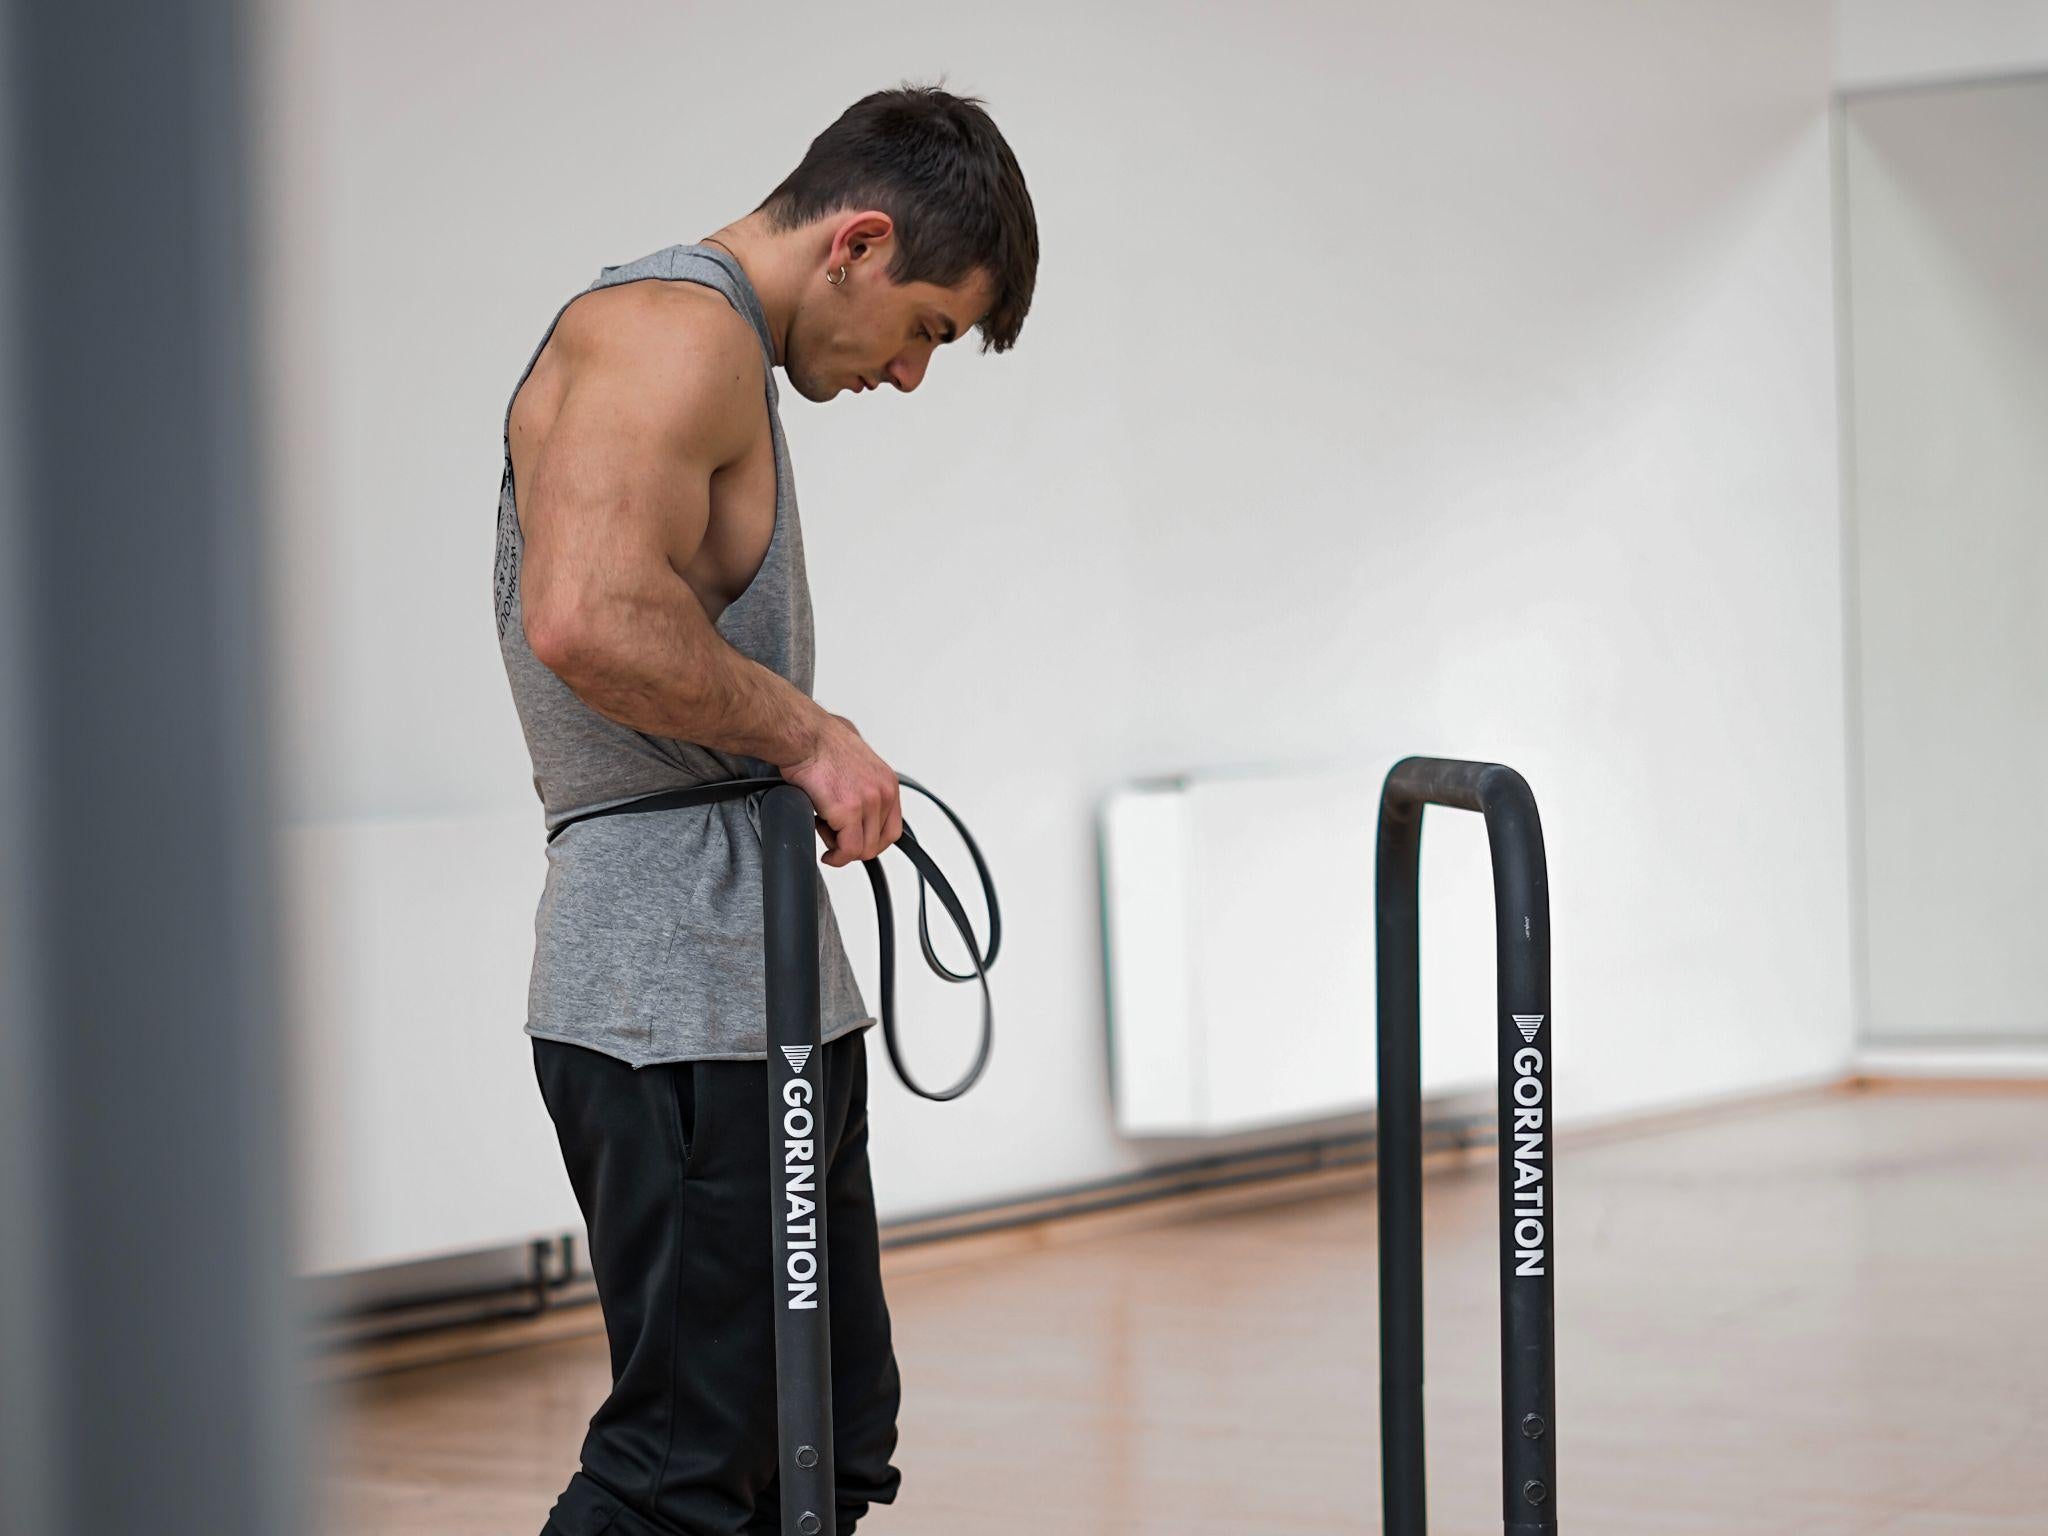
{"x": 677, "y": 350}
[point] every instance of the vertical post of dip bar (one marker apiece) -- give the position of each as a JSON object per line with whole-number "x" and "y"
{"x": 1527, "y": 1199}
{"x": 796, "y": 1182}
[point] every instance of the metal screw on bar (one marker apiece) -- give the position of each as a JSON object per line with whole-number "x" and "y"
{"x": 810, "y": 1524}
{"x": 807, "y": 1455}
{"x": 1533, "y": 1426}
{"x": 1534, "y": 1491}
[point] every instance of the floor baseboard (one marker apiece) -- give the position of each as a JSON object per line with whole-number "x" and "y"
{"x": 1985, "y": 1064}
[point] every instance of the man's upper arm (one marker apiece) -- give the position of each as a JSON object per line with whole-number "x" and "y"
{"x": 621, "y": 488}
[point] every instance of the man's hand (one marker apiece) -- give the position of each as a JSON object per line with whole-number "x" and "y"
{"x": 856, "y": 794}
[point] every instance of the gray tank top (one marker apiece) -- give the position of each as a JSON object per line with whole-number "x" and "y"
{"x": 647, "y": 942}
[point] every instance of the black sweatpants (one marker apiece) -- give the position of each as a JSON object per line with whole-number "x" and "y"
{"x": 670, "y": 1166}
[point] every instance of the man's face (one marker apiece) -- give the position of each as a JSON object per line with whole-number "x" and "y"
{"x": 868, "y": 331}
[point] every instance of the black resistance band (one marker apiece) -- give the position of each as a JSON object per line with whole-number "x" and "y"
{"x": 928, "y": 873}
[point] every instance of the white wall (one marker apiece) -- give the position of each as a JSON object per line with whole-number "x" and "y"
{"x": 1946, "y": 203}
{"x": 1453, "y": 379}
{"x": 1885, "y": 43}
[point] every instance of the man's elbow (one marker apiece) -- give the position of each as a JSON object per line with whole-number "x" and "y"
{"x": 563, "y": 634}
{"x": 598, "y": 644}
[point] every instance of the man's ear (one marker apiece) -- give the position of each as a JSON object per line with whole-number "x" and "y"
{"x": 859, "y": 234}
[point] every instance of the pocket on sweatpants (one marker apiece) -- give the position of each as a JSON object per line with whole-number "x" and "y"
{"x": 689, "y": 1104}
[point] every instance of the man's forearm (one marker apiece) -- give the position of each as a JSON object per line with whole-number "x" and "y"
{"x": 663, "y": 669}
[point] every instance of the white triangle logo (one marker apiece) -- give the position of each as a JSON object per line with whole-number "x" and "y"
{"x": 797, "y": 1055}
{"x": 1528, "y": 1024}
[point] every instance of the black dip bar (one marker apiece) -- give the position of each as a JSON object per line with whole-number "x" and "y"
{"x": 1521, "y": 904}
{"x": 796, "y": 1099}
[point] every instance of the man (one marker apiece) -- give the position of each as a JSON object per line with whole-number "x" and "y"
{"x": 654, "y": 618}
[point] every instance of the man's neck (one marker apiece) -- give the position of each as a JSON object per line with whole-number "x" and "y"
{"x": 777, "y": 264}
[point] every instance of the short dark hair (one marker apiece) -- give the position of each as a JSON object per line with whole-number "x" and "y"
{"x": 937, "y": 165}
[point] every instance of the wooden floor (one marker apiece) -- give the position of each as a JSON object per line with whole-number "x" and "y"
{"x": 1815, "y": 1316}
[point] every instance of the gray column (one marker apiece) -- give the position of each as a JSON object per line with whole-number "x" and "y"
{"x": 144, "y": 1290}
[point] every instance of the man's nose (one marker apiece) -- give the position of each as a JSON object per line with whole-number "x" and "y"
{"x": 906, "y": 373}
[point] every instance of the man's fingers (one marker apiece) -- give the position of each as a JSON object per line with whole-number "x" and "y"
{"x": 832, "y": 854}
{"x": 863, "y": 829}
{"x": 870, "y": 829}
